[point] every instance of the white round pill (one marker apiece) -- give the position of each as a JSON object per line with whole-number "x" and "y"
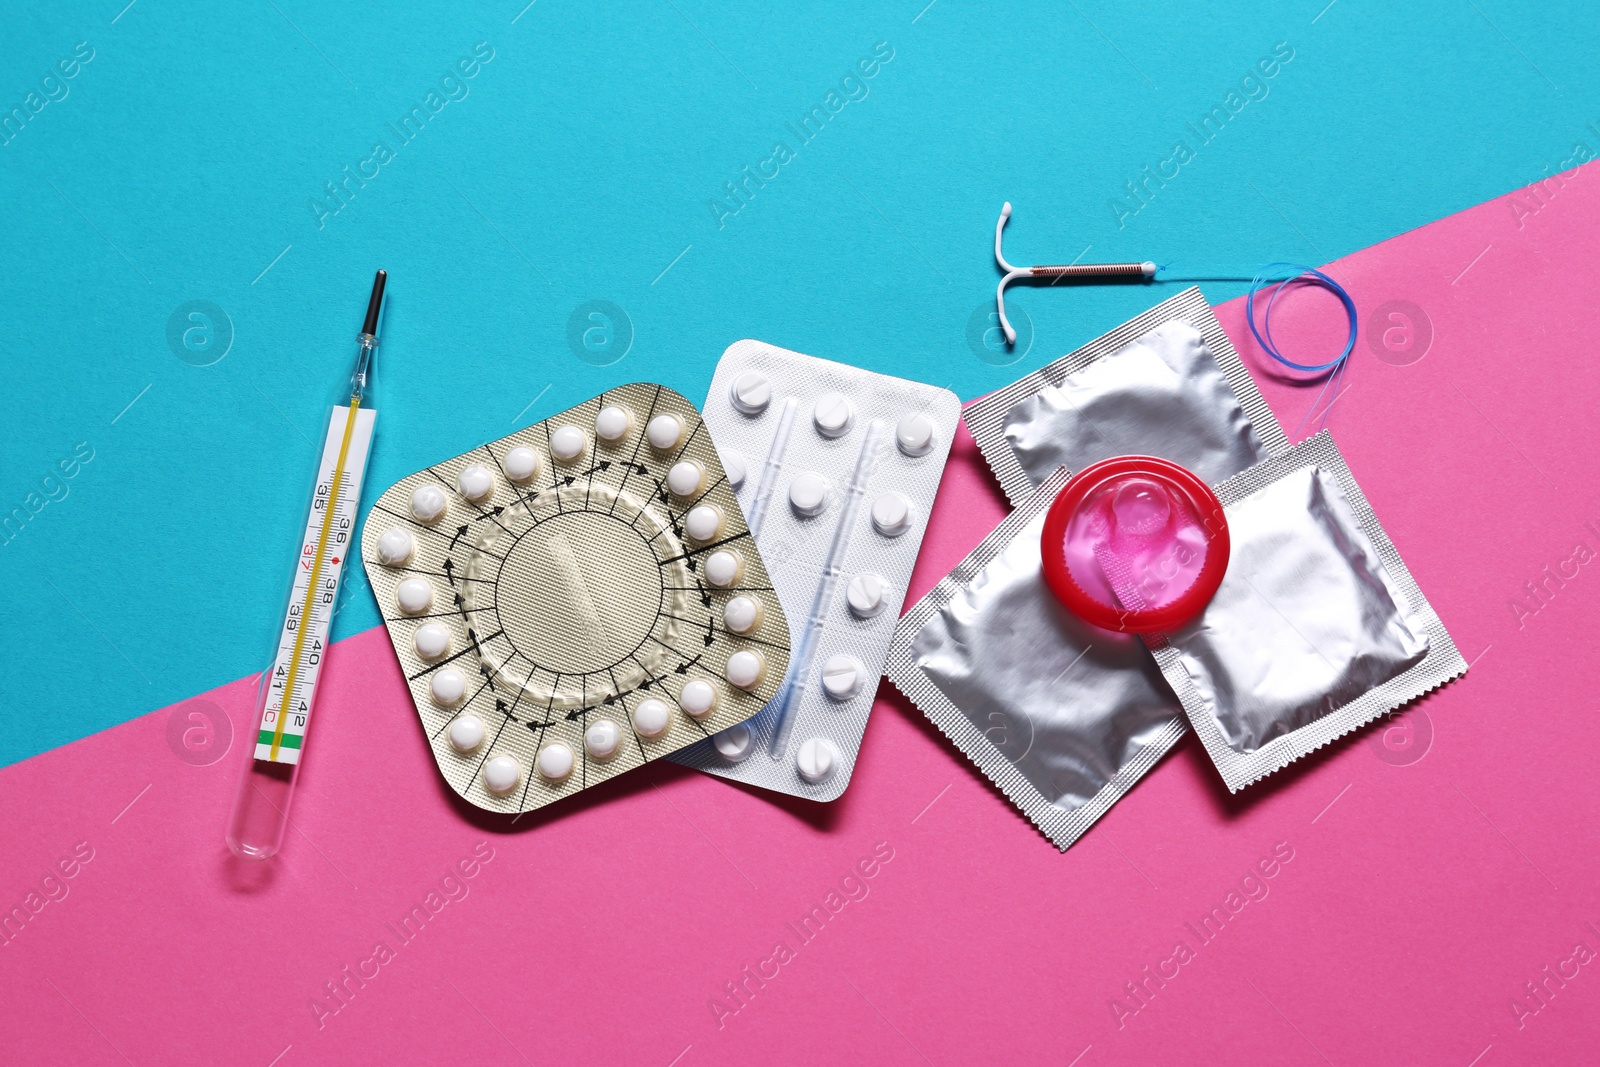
{"x": 703, "y": 522}
{"x": 415, "y": 595}
{"x": 611, "y": 425}
{"x": 842, "y": 676}
{"x": 914, "y": 435}
{"x": 466, "y": 733}
{"x": 432, "y": 640}
{"x": 867, "y": 595}
{"x": 664, "y": 432}
{"x": 475, "y": 482}
{"x": 816, "y": 759}
{"x": 567, "y": 443}
{"x": 751, "y": 392}
{"x": 745, "y": 669}
{"x": 742, "y": 614}
{"x": 601, "y": 739}
{"x": 734, "y": 743}
{"x": 685, "y": 478}
{"x": 733, "y": 463}
{"x": 427, "y": 503}
{"x": 501, "y": 774}
{"x": 395, "y": 547}
{"x": 522, "y": 463}
{"x": 808, "y": 493}
{"x": 555, "y": 761}
{"x": 891, "y": 514}
{"x": 650, "y": 718}
{"x": 833, "y": 414}
{"x": 697, "y": 698}
{"x": 447, "y": 686}
{"x": 722, "y": 568}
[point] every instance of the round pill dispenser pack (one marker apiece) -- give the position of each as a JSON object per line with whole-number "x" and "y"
{"x": 1135, "y": 544}
{"x": 573, "y": 594}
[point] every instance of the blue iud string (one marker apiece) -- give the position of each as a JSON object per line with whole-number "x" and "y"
{"x": 1269, "y": 275}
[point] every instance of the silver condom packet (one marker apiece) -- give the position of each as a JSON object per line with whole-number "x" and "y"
{"x": 1318, "y": 627}
{"x": 1167, "y": 383}
{"x": 1062, "y": 716}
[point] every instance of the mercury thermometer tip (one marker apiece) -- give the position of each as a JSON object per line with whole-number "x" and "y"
{"x": 360, "y": 377}
{"x": 375, "y": 303}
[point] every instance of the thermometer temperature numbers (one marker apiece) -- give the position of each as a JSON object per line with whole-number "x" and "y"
{"x": 329, "y": 533}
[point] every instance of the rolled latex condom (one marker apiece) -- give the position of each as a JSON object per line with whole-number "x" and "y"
{"x": 1135, "y": 544}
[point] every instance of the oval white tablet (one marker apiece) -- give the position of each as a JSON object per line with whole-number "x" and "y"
{"x": 432, "y": 640}
{"x": 703, "y": 522}
{"x": 866, "y": 594}
{"x": 521, "y": 464}
{"x": 891, "y": 514}
{"x": 466, "y": 733}
{"x": 734, "y": 743}
{"x": 567, "y": 443}
{"x": 415, "y": 595}
{"x": 816, "y": 760}
{"x": 697, "y": 698}
{"x": 650, "y": 718}
{"x": 841, "y": 676}
{"x": 723, "y": 567}
{"x": 427, "y": 503}
{"x": 833, "y": 414}
{"x": 555, "y": 761}
{"x": 914, "y": 435}
{"x": 808, "y": 493}
{"x": 601, "y": 739}
{"x": 447, "y": 686}
{"x": 685, "y": 478}
{"x": 742, "y": 614}
{"x": 501, "y": 774}
{"x": 745, "y": 669}
{"x": 751, "y": 392}
{"x": 395, "y": 547}
{"x": 733, "y": 464}
{"x": 664, "y": 432}
{"x": 612, "y": 424}
{"x": 475, "y": 482}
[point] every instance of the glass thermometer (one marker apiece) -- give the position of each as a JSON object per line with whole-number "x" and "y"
{"x": 288, "y": 687}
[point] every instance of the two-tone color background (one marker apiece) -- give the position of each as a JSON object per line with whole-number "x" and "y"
{"x": 569, "y": 196}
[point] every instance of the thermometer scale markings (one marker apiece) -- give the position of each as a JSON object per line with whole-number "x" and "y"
{"x": 276, "y": 742}
{"x": 287, "y": 691}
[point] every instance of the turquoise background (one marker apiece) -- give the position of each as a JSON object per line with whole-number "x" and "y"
{"x": 184, "y": 158}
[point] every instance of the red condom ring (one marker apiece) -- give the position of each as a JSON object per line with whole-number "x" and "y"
{"x": 1135, "y": 544}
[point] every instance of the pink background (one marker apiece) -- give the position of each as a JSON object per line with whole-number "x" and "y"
{"x": 1439, "y": 862}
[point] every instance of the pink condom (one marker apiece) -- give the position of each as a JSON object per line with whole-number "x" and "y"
{"x": 1135, "y": 544}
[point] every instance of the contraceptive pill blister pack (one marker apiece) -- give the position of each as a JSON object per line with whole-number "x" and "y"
{"x": 575, "y": 599}
{"x": 837, "y": 469}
